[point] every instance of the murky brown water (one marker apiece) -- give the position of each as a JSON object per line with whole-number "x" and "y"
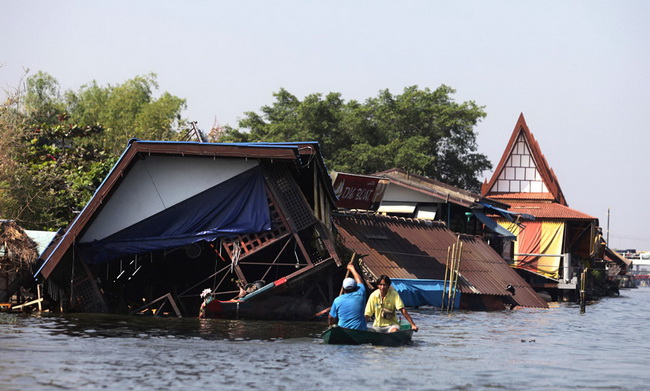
{"x": 606, "y": 348}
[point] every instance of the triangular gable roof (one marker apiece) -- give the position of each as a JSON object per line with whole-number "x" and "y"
{"x": 523, "y": 171}
{"x": 296, "y": 153}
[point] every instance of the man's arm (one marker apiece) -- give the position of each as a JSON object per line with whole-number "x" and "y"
{"x": 369, "y": 309}
{"x": 355, "y": 273}
{"x": 408, "y": 317}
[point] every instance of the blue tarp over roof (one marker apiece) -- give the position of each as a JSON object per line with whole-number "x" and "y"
{"x": 236, "y": 206}
{"x": 506, "y": 213}
{"x": 421, "y": 292}
{"x": 493, "y": 225}
{"x": 135, "y": 146}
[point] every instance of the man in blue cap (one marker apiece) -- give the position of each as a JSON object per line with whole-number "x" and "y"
{"x": 348, "y": 309}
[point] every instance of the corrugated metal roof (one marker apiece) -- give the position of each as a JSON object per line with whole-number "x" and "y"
{"x": 409, "y": 248}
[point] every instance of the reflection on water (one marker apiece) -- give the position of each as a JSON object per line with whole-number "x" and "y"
{"x": 524, "y": 349}
{"x": 115, "y": 326}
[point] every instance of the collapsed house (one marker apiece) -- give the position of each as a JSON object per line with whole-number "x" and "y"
{"x": 552, "y": 251}
{"x": 247, "y": 230}
{"x": 618, "y": 267}
{"x": 18, "y": 254}
{"x": 247, "y": 225}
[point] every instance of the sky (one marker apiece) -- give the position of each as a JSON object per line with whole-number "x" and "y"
{"x": 579, "y": 71}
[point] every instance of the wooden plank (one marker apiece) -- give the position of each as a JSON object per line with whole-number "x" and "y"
{"x": 19, "y": 307}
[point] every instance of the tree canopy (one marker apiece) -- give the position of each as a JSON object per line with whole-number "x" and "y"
{"x": 420, "y": 130}
{"x": 55, "y": 149}
{"x": 126, "y": 111}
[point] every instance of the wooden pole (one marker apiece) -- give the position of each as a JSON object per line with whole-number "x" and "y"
{"x": 452, "y": 258}
{"x": 444, "y": 280}
{"x": 457, "y": 272}
{"x": 583, "y": 287}
{"x": 454, "y": 266}
{"x": 347, "y": 272}
{"x": 38, "y": 296}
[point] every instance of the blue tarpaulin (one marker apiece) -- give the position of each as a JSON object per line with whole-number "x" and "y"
{"x": 511, "y": 216}
{"x": 236, "y": 206}
{"x": 493, "y": 225}
{"x": 422, "y": 292}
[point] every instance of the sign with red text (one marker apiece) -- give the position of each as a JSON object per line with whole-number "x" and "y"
{"x": 359, "y": 191}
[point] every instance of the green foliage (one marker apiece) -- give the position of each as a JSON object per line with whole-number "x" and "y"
{"x": 55, "y": 151}
{"x": 127, "y": 111}
{"x": 422, "y": 131}
{"x": 42, "y": 98}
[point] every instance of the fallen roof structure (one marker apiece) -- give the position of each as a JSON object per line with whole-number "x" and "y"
{"x": 419, "y": 249}
{"x": 18, "y": 255}
{"x": 175, "y": 218}
{"x": 617, "y": 264}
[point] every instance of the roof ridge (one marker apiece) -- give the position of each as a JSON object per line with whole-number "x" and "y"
{"x": 541, "y": 164}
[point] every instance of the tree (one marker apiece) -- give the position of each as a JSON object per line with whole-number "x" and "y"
{"x": 127, "y": 111}
{"x": 48, "y": 169}
{"x": 55, "y": 150}
{"x": 422, "y": 131}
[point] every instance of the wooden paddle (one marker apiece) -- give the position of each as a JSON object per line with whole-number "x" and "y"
{"x": 347, "y": 272}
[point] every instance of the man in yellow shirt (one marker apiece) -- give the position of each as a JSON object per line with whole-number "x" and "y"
{"x": 383, "y": 305}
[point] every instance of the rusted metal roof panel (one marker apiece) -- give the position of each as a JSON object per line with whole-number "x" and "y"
{"x": 417, "y": 249}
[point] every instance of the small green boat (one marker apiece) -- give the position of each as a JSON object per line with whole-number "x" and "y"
{"x": 342, "y": 336}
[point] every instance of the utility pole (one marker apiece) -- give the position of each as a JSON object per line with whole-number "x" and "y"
{"x": 608, "y": 244}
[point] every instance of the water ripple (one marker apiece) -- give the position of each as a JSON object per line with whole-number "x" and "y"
{"x": 524, "y": 349}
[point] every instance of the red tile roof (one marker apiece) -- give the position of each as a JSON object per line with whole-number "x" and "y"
{"x": 417, "y": 249}
{"x": 548, "y": 210}
{"x": 506, "y": 197}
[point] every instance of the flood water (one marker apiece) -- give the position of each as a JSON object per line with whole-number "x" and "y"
{"x": 606, "y": 348}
